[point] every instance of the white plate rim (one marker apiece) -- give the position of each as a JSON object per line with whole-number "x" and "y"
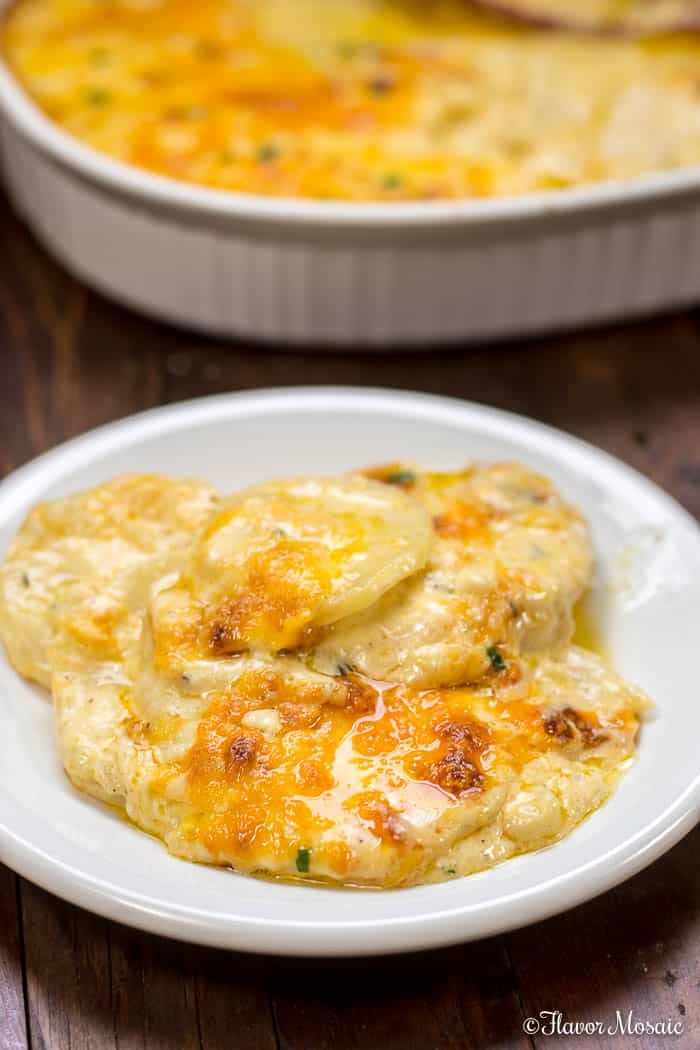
{"x": 339, "y": 938}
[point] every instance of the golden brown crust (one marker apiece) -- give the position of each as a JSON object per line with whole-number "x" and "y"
{"x": 367, "y": 101}
{"x": 237, "y": 755}
{"x": 568, "y": 724}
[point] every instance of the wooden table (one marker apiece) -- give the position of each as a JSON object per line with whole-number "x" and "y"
{"x": 70, "y": 361}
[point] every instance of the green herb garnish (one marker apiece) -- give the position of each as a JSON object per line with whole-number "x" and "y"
{"x": 401, "y": 477}
{"x": 497, "y": 661}
{"x": 392, "y": 181}
{"x": 97, "y": 96}
{"x": 267, "y": 152}
{"x": 303, "y": 859}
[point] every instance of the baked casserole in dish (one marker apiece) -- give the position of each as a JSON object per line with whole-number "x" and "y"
{"x": 332, "y": 122}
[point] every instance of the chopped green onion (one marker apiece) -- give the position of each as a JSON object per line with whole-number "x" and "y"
{"x": 401, "y": 477}
{"x": 97, "y": 96}
{"x": 392, "y": 181}
{"x": 303, "y": 859}
{"x": 267, "y": 152}
{"x": 497, "y": 661}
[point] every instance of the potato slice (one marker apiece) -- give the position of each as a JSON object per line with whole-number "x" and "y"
{"x": 602, "y": 16}
{"x": 509, "y": 561}
{"x": 69, "y": 554}
{"x": 281, "y": 560}
{"x": 384, "y": 787}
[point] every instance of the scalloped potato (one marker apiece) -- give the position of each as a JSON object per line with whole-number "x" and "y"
{"x": 286, "y": 558}
{"x": 200, "y": 681}
{"x": 75, "y": 560}
{"x": 362, "y": 100}
{"x": 509, "y": 561}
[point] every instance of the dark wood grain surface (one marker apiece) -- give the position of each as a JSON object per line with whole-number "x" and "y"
{"x": 70, "y": 981}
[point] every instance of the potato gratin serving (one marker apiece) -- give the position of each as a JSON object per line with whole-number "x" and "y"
{"x": 369, "y": 100}
{"x": 366, "y": 679}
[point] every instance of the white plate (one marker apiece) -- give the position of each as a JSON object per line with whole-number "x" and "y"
{"x": 648, "y": 596}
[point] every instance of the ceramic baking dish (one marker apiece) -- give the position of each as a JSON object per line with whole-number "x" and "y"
{"x": 300, "y": 271}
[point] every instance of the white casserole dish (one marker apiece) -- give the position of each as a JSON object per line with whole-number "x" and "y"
{"x": 301, "y": 271}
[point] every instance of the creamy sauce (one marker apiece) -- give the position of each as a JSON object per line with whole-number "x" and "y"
{"x": 355, "y": 100}
{"x": 248, "y": 754}
{"x": 587, "y": 630}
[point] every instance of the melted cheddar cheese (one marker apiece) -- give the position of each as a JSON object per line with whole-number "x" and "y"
{"x": 355, "y": 100}
{"x": 284, "y": 560}
{"x": 375, "y": 783}
{"x": 80, "y": 562}
{"x": 509, "y": 560}
{"x": 365, "y": 679}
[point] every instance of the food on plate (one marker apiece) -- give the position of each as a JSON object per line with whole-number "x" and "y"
{"x": 222, "y": 668}
{"x": 281, "y": 561}
{"x": 82, "y": 560}
{"x": 368, "y": 100}
{"x": 510, "y": 559}
{"x": 279, "y": 770}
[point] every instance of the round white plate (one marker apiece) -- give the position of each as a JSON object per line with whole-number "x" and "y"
{"x": 647, "y": 596}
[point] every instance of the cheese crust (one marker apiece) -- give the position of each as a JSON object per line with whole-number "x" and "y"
{"x": 509, "y": 560}
{"x": 363, "y": 100}
{"x": 285, "y": 559}
{"x": 200, "y": 681}
{"x": 76, "y": 561}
